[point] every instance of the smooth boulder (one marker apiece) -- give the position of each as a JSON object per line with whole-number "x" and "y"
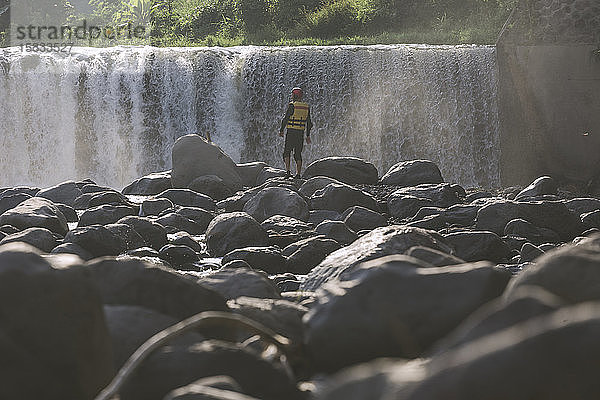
{"x": 232, "y": 231}
{"x": 412, "y": 173}
{"x": 277, "y": 201}
{"x": 350, "y": 170}
{"x": 36, "y": 212}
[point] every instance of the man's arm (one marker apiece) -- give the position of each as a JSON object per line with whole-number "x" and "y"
{"x": 309, "y": 124}
{"x": 288, "y": 114}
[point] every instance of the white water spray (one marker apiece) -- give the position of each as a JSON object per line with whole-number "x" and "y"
{"x": 113, "y": 114}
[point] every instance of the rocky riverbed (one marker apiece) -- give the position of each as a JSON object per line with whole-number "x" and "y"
{"x": 349, "y": 283}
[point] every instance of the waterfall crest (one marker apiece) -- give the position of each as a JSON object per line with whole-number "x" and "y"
{"x": 113, "y": 114}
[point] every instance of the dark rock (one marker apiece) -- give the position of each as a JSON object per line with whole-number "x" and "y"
{"x": 136, "y": 283}
{"x": 212, "y": 186}
{"x": 268, "y": 259}
{"x": 306, "y": 254}
{"x": 150, "y": 184}
{"x": 193, "y": 157}
{"x": 349, "y": 170}
{"x": 569, "y": 272}
{"x": 395, "y": 239}
{"x": 30, "y": 191}
{"x": 338, "y": 231}
{"x": 249, "y": 172}
{"x": 212, "y": 388}
{"x": 176, "y": 366}
{"x": 97, "y": 240}
{"x": 441, "y": 195}
{"x": 521, "y": 228}
{"x": 529, "y": 252}
{"x": 318, "y": 216}
{"x": 39, "y": 238}
{"x": 591, "y": 219}
{"x": 458, "y": 214}
{"x": 533, "y": 345}
{"x": 406, "y": 306}
{"x": 315, "y": 183}
{"x": 580, "y": 206}
{"x": 281, "y": 316}
{"x": 478, "y": 246}
{"x": 480, "y": 194}
{"x": 156, "y": 206}
{"x": 276, "y": 201}
{"x": 36, "y": 212}
{"x": 109, "y": 197}
{"x": 403, "y": 206}
{"x": 183, "y": 238}
{"x": 236, "y": 281}
{"x": 232, "y": 231}
{"x": 188, "y": 198}
{"x": 179, "y": 256}
{"x": 541, "y": 186}
{"x": 268, "y": 173}
{"x": 143, "y": 252}
{"x": 8, "y": 202}
{"x": 176, "y": 222}
{"x": 359, "y": 218}
{"x": 53, "y": 338}
{"x": 131, "y": 326}
{"x": 92, "y": 188}
{"x": 128, "y": 235}
{"x": 339, "y": 197}
{"x": 105, "y": 214}
{"x": 433, "y": 257}
{"x": 83, "y": 201}
{"x": 283, "y": 230}
{"x": 69, "y": 212}
{"x": 154, "y": 234}
{"x": 412, "y": 173}
{"x": 64, "y": 193}
{"x": 552, "y": 215}
{"x": 72, "y": 248}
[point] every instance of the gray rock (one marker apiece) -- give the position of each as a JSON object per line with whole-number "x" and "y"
{"x": 339, "y": 197}
{"x": 584, "y": 205}
{"x": 183, "y": 238}
{"x": 233, "y": 231}
{"x": 478, "y": 246}
{"x": 188, "y": 198}
{"x": 433, "y": 257}
{"x": 543, "y": 214}
{"x": 64, "y": 193}
{"x": 304, "y": 255}
{"x": 156, "y": 206}
{"x": 530, "y": 252}
{"x": 69, "y": 212}
{"x": 395, "y": 239}
{"x": 268, "y": 173}
{"x": 150, "y": 184}
{"x": 39, "y": 238}
{"x": 212, "y": 388}
{"x": 97, "y": 240}
{"x": 143, "y": 252}
{"x": 109, "y": 197}
{"x": 405, "y": 307}
{"x": 318, "y": 216}
{"x": 591, "y": 219}
{"x": 249, "y": 172}
{"x": 315, "y": 183}
{"x": 174, "y": 222}
{"x": 154, "y": 234}
{"x": 283, "y": 230}
{"x": 412, "y": 173}
{"x": 541, "y": 186}
{"x": 268, "y": 259}
{"x": 128, "y": 235}
{"x": 179, "y": 256}
{"x": 36, "y": 212}
{"x": 520, "y": 228}
{"x": 441, "y": 195}
{"x": 233, "y": 282}
{"x": 103, "y": 215}
{"x": 337, "y": 230}
{"x": 193, "y": 157}
{"x": 276, "y": 201}
{"x": 43, "y": 338}
{"x": 30, "y": 191}
{"x": 212, "y": 186}
{"x": 8, "y": 202}
{"x": 403, "y": 206}
{"x": 359, "y": 218}
{"x": 350, "y": 170}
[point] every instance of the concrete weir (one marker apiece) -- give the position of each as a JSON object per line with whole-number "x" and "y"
{"x": 549, "y": 91}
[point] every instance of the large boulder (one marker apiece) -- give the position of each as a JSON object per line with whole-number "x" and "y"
{"x": 315, "y": 183}
{"x": 11, "y": 201}
{"x": 306, "y": 254}
{"x": 237, "y": 279}
{"x": 150, "y": 184}
{"x": 154, "y": 234}
{"x": 232, "y": 231}
{"x": 570, "y": 272}
{"x": 194, "y": 157}
{"x": 283, "y": 230}
{"x": 440, "y": 195}
{"x": 97, "y": 240}
{"x": 277, "y": 201}
{"x": 53, "y": 337}
{"x": 249, "y": 172}
{"x": 39, "y": 238}
{"x": 64, "y": 193}
{"x": 395, "y": 306}
{"x": 349, "y": 170}
{"x": 268, "y": 259}
{"x": 137, "y": 283}
{"x": 188, "y": 198}
{"x": 104, "y": 214}
{"x": 336, "y": 230}
{"x": 541, "y": 186}
{"x": 478, "y": 246}
{"x": 339, "y": 197}
{"x": 582, "y": 205}
{"x": 36, "y": 212}
{"x": 212, "y": 186}
{"x": 412, "y": 173}
{"x": 359, "y": 218}
{"x": 403, "y": 206}
{"x": 395, "y": 239}
{"x": 553, "y": 215}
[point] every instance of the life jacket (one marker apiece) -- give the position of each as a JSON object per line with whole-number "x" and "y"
{"x": 298, "y": 119}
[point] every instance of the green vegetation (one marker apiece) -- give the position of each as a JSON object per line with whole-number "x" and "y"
{"x": 301, "y": 22}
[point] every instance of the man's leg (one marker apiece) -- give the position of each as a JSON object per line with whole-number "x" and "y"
{"x": 286, "y": 160}
{"x": 287, "y": 151}
{"x": 298, "y": 153}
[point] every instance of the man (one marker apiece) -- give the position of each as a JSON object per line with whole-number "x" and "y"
{"x": 296, "y": 120}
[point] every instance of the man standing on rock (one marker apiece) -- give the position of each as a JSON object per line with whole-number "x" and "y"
{"x": 297, "y": 120}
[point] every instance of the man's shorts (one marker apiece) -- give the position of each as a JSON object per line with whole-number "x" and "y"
{"x": 294, "y": 140}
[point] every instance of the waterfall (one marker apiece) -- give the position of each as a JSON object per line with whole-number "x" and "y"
{"x": 113, "y": 114}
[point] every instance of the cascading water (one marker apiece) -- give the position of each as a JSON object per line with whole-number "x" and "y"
{"x": 113, "y": 114}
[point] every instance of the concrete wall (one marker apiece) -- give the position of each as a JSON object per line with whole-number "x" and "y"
{"x": 549, "y": 99}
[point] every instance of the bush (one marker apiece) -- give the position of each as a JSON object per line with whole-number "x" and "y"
{"x": 341, "y": 17}
{"x": 287, "y": 13}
